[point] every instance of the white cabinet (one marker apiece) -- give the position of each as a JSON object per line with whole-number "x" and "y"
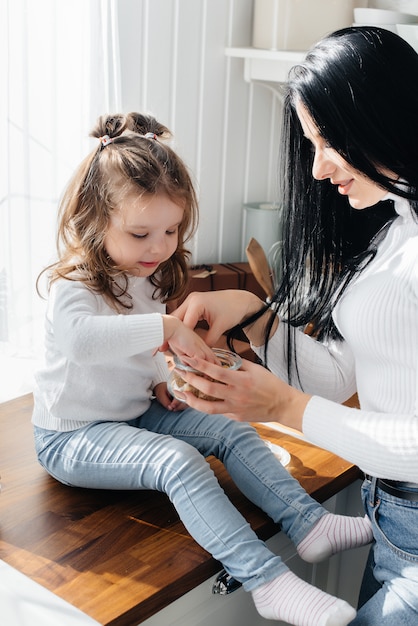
{"x": 341, "y": 576}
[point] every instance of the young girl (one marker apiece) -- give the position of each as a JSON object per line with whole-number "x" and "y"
{"x": 349, "y": 150}
{"x": 124, "y": 221}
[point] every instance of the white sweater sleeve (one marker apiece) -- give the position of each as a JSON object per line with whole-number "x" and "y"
{"x": 86, "y": 332}
{"x": 327, "y": 370}
{"x": 381, "y": 444}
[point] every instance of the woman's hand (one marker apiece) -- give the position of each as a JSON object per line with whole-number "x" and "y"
{"x": 222, "y": 310}
{"x": 251, "y": 394}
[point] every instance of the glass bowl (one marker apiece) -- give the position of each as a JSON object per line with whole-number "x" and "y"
{"x": 175, "y": 383}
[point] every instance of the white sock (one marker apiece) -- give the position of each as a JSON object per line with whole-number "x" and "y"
{"x": 334, "y": 533}
{"x": 294, "y": 601}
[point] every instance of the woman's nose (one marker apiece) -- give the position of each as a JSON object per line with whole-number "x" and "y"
{"x": 323, "y": 167}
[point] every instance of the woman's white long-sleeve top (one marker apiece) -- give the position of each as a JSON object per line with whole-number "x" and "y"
{"x": 98, "y": 365}
{"x": 378, "y": 318}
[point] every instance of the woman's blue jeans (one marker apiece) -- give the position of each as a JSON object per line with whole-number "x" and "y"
{"x": 164, "y": 451}
{"x": 389, "y": 593}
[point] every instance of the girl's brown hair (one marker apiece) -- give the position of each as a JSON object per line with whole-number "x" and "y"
{"x": 129, "y": 161}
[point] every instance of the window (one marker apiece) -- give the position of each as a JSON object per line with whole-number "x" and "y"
{"x": 59, "y": 70}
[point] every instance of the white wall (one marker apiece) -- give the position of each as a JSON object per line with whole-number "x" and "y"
{"x": 174, "y": 66}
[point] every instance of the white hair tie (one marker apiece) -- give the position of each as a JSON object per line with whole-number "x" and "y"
{"x": 106, "y": 140}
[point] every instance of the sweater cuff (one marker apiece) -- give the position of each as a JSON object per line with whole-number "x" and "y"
{"x": 321, "y": 422}
{"x": 146, "y": 331}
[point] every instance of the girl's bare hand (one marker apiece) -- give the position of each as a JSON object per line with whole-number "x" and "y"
{"x": 166, "y": 399}
{"x": 181, "y": 340}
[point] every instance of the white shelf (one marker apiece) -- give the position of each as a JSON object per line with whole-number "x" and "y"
{"x": 266, "y": 65}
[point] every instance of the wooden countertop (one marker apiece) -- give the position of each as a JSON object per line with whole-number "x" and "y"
{"x": 120, "y": 556}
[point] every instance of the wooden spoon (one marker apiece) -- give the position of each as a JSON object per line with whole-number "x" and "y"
{"x": 259, "y": 266}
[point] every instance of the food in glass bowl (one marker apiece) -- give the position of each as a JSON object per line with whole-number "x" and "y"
{"x": 176, "y": 383}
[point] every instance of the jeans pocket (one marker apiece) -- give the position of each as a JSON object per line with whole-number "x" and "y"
{"x": 396, "y": 522}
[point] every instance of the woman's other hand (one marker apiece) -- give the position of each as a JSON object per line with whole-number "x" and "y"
{"x": 251, "y": 394}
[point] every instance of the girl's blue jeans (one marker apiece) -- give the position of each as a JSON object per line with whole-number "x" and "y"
{"x": 389, "y": 593}
{"x": 164, "y": 451}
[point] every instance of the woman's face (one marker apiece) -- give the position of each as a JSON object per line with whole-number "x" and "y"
{"x": 143, "y": 233}
{"x": 360, "y": 190}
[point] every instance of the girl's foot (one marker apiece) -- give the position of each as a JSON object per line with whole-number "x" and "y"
{"x": 294, "y": 601}
{"x": 332, "y": 534}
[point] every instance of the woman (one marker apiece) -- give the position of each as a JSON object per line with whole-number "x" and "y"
{"x": 350, "y": 147}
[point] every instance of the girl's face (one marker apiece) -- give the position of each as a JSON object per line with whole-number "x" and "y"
{"x": 143, "y": 233}
{"x": 360, "y": 190}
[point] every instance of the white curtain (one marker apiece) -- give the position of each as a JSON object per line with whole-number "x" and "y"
{"x": 59, "y": 70}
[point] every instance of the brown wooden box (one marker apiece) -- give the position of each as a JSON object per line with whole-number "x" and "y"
{"x": 218, "y": 276}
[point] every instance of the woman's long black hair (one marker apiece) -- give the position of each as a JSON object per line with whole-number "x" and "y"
{"x": 360, "y": 87}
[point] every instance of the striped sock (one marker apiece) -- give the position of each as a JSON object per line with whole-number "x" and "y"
{"x": 294, "y": 601}
{"x": 334, "y": 533}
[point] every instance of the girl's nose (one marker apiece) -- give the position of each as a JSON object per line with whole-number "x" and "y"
{"x": 323, "y": 167}
{"x": 157, "y": 244}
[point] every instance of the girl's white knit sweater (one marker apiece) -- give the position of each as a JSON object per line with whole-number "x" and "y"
{"x": 98, "y": 365}
{"x": 378, "y": 318}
